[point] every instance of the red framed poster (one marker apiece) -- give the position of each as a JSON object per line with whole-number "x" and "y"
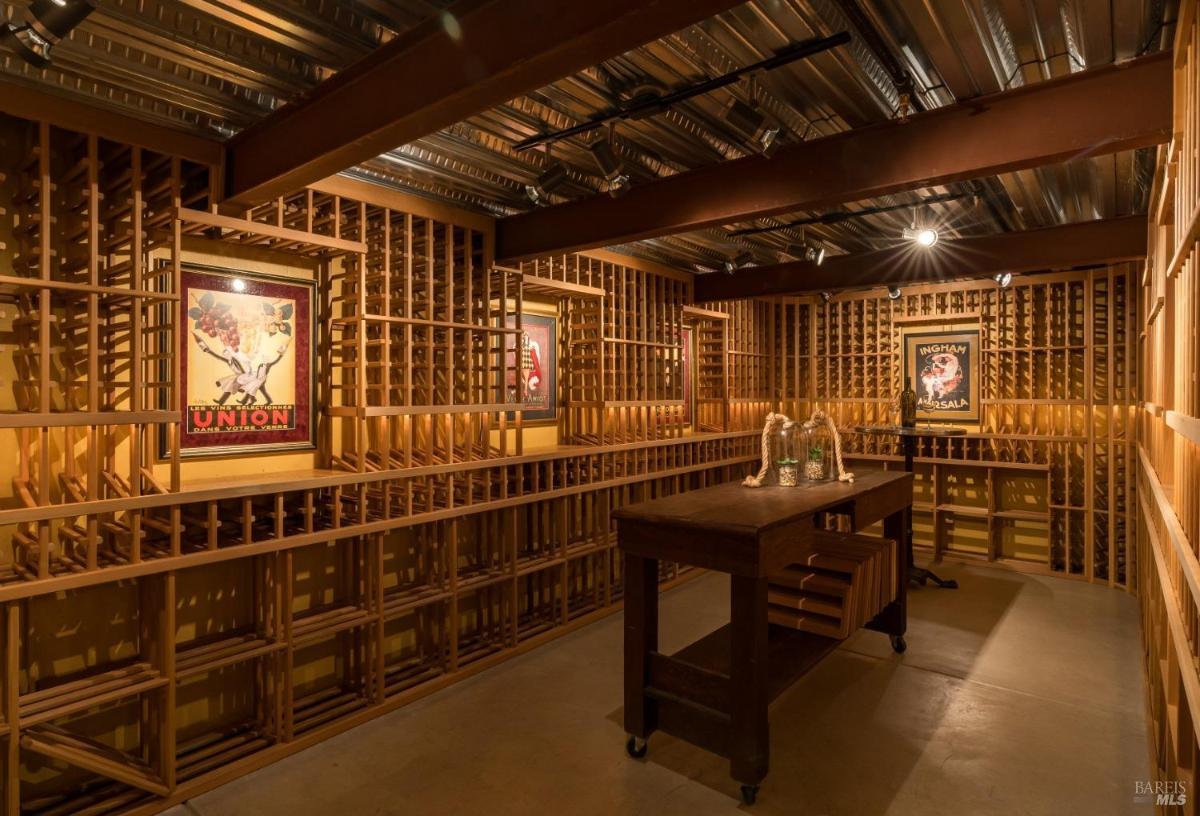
{"x": 686, "y": 362}
{"x": 942, "y": 367}
{"x": 536, "y": 365}
{"x": 246, "y": 362}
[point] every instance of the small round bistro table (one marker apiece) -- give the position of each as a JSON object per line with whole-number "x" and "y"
{"x": 908, "y": 437}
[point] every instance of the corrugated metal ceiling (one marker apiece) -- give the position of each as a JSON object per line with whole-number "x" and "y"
{"x": 215, "y": 66}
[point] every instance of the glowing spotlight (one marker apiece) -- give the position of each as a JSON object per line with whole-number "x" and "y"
{"x": 239, "y": 285}
{"x": 1003, "y": 279}
{"x": 451, "y": 25}
{"x": 894, "y": 292}
{"x": 924, "y": 236}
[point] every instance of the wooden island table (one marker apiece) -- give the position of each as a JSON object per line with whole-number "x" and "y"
{"x": 715, "y": 692}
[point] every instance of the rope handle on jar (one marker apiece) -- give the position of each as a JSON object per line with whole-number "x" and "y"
{"x": 816, "y": 419}
{"x": 757, "y": 479}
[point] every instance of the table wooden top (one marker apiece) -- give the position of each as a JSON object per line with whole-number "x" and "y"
{"x": 744, "y": 512}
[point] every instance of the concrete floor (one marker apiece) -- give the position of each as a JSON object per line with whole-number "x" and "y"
{"x": 1018, "y": 695}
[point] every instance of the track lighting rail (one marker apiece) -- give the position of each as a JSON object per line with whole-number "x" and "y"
{"x": 649, "y": 107}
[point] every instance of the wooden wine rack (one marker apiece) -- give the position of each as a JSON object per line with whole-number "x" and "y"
{"x": 165, "y": 631}
{"x": 1044, "y": 483}
{"x": 629, "y": 378}
{"x": 1168, "y": 430}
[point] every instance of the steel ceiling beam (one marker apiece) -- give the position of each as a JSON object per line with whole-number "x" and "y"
{"x": 479, "y": 54}
{"x": 34, "y": 104}
{"x": 1076, "y": 245}
{"x": 1097, "y": 112}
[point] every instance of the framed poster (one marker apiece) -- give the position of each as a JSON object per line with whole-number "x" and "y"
{"x": 944, "y": 371}
{"x": 246, "y": 362}
{"x": 533, "y": 376}
{"x": 687, "y": 376}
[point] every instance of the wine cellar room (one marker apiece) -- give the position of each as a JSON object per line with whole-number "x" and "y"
{"x": 526, "y": 406}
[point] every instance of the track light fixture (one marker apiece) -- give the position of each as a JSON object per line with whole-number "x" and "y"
{"x": 648, "y": 97}
{"x": 811, "y": 251}
{"x": 610, "y": 165}
{"x": 742, "y": 259}
{"x": 552, "y": 178}
{"x": 922, "y": 230}
{"x": 46, "y": 22}
{"x": 924, "y": 236}
{"x": 894, "y": 292}
{"x": 1002, "y": 279}
{"x": 826, "y": 297}
{"x": 751, "y": 123}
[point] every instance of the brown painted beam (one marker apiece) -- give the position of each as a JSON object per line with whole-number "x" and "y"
{"x": 61, "y": 111}
{"x": 1087, "y": 244}
{"x": 1096, "y": 112}
{"x": 426, "y": 79}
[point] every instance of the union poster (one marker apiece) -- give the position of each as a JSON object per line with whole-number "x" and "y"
{"x": 246, "y": 358}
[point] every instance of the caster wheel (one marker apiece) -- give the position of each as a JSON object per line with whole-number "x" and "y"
{"x": 898, "y": 644}
{"x": 749, "y": 794}
{"x": 634, "y": 750}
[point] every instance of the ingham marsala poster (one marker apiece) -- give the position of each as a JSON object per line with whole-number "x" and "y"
{"x": 247, "y": 361}
{"x": 944, "y": 372}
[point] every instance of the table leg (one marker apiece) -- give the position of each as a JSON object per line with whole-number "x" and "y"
{"x": 749, "y": 741}
{"x": 641, "y": 638}
{"x": 915, "y": 573}
{"x": 893, "y": 620}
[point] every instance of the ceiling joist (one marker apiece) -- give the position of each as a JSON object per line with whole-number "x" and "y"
{"x": 1075, "y": 245}
{"x": 479, "y": 54}
{"x": 1102, "y": 111}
